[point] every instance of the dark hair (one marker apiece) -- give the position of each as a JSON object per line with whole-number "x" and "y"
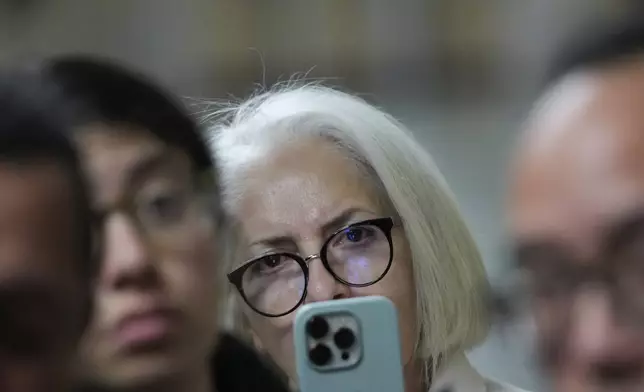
{"x": 33, "y": 127}
{"x": 106, "y": 92}
{"x": 603, "y": 47}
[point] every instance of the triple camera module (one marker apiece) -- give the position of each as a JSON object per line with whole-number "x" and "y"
{"x": 333, "y": 341}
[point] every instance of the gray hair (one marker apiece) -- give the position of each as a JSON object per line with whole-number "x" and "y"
{"x": 448, "y": 272}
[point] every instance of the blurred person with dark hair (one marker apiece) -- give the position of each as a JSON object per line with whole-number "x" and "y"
{"x": 46, "y": 260}
{"x": 577, "y": 215}
{"x": 155, "y": 325}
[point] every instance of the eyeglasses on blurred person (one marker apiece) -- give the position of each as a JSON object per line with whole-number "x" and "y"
{"x": 332, "y": 198}
{"x": 576, "y": 214}
{"x": 46, "y": 259}
{"x": 157, "y": 294}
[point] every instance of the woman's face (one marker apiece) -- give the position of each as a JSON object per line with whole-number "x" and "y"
{"x": 293, "y": 202}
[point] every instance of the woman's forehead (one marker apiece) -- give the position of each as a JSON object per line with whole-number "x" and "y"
{"x": 305, "y": 197}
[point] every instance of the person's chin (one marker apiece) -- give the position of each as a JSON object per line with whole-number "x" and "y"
{"x": 144, "y": 371}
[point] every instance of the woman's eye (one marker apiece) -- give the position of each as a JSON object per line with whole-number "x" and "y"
{"x": 269, "y": 264}
{"x": 165, "y": 207}
{"x": 271, "y": 261}
{"x": 354, "y": 236}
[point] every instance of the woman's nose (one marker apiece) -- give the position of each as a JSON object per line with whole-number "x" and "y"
{"x": 127, "y": 258}
{"x": 322, "y": 285}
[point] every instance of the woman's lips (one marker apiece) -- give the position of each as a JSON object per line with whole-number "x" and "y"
{"x": 147, "y": 328}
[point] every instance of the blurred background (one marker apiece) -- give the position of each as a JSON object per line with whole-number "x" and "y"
{"x": 460, "y": 73}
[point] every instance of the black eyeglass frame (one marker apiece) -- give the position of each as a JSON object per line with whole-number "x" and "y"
{"x": 384, "y": 224}
{"x": 199, "y": 194}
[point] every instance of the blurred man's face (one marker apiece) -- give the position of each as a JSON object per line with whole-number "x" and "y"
{"x": 41, "y": 302}
{"x": 577, "y": 214}
{"x": 155, "y": 316}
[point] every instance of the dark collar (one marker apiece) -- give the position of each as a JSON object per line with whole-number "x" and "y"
{"x": 236, "y": 367}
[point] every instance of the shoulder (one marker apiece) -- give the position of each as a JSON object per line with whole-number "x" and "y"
{"x": 459, "y": 376}
{"x": 237, "y": 367}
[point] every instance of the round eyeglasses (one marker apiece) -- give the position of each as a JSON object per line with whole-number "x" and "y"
{"x": 357, "y": 255}
{"x": 163, "y": 205}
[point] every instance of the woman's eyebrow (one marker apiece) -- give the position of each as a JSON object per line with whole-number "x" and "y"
{"x": 339, "y": 220}
{"x": 275, "y": 241}
{"x": 343, "y": 218}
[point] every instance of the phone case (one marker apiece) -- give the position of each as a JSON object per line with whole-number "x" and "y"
{"x": 379, "y": 368}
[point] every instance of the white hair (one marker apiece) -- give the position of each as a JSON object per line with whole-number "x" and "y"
{"x": 450, "y": 280}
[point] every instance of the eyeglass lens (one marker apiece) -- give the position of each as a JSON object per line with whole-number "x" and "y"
{"x": 357, "y": 256}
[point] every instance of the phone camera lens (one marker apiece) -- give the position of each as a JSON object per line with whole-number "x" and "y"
{"x": 344, "y": 338}
{"x": 320, "y": 355}
{"x": 317, "y": 327}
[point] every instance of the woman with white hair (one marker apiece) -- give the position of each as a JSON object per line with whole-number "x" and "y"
{"x": 320, "y": 184}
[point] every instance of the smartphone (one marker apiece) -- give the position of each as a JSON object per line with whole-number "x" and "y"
{"x": 348, "y": 345}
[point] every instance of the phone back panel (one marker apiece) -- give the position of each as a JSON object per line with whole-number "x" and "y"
{"x": 373, "y": 363}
